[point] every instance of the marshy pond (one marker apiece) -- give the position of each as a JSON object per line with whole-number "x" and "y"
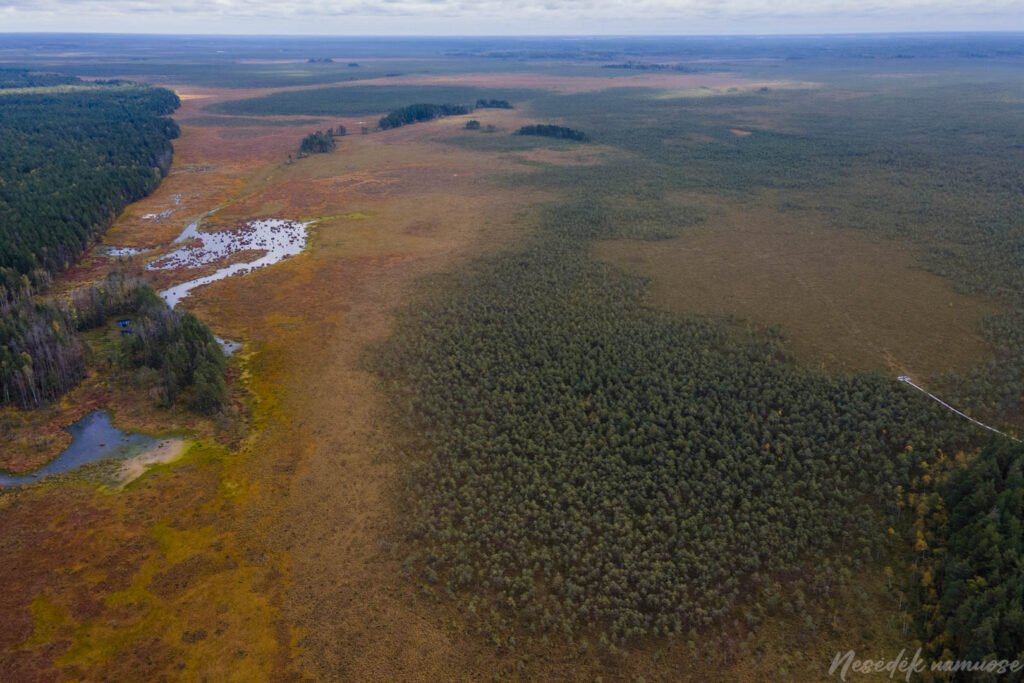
{"x": 93, "y": 438}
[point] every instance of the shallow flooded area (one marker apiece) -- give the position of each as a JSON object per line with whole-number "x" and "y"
{"x": 228, "y": 346}
{"x": 93, "y": 438}
{"x": 277, "y": 238}
{"x": 117, "y": 252}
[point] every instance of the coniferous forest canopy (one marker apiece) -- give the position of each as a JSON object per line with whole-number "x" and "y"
{"x": 71, "y": 161}
{"x": 575, "y": 477}
{"x": 58, "y": 190}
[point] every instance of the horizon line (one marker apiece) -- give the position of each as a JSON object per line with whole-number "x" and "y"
{"x": 811, "y": 34}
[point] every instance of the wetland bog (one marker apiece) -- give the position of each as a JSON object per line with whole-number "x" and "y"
{"x": 310, "y": 476}
{"x": 701, "y": 307}
{"x": 93, "y": 438}
{"x": 845, "y": 301}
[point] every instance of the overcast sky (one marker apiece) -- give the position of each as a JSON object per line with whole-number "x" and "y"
{"x": 510, "y": 17}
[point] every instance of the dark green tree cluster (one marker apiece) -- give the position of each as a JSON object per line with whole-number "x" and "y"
{"x": 971, "y": 578}
{"x": 353, "y": 100}
{"x": 69, "y": 162}
{"x": 493, "y": 104}
{"x": 318, "y": 143}
{"x": 182, "y": 350}
{"x": 472, "y": 124}
{"x": 416, "y": 113}
{"x": 552, "y": 131}
{"x": 25, "y": 78}
{"x": 600, "y": 469}
{"x": 190, "y": 363}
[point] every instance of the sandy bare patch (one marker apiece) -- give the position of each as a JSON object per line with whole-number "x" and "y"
{"x": 166, "y": 451}
{"x": 740, "y": 133}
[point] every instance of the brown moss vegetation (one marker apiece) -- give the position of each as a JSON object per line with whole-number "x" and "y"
{"x": 845, "y": 301}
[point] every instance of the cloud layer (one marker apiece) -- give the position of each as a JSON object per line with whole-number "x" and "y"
{"x": 513, "y": 16}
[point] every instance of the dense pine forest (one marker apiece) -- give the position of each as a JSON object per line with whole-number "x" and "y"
{"x": 611, "y": 472}
{"x": 970, "y": 559}
{"x": 58, "y": 190}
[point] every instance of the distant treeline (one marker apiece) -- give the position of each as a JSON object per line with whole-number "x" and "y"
{"x": 42, "y": 354}
{"x": 69, "y": 163}
{"x": 644, "y": 66}
{"x": 494, "y": 104}
{"x": 552, "y": 131}
{"x": 416, "y": 113}
{"x": 357, "y": 100}
{"x": 24, "y": 78}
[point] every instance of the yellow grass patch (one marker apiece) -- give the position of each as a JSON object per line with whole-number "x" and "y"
{"x": 845, "y": 301}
